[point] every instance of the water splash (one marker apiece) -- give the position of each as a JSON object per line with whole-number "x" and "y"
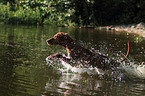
{"x": 127, "y": 68}
{"x": 134, "y": 70}
{"x": 68, "y": 68}
{"x": 89, "y": 70}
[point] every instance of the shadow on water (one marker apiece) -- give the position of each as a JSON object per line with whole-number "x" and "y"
{"x": 24, "y": 71}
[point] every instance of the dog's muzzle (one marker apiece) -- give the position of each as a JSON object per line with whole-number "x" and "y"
{"x": 48, "y": 42}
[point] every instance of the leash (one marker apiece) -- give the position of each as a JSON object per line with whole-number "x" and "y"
{"x": 126, "y": 53}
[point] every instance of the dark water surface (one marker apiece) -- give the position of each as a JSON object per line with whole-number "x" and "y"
{"x": 24, "y": 71}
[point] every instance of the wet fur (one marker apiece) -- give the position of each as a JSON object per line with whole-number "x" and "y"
{"x": 78, "y": 55}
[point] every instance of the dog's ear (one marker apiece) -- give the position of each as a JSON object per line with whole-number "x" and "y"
{"x": 64, "y": 37}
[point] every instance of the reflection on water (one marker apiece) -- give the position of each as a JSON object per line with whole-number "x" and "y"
{"x": 70, "y": 84}
{"x": 24, "y": 71}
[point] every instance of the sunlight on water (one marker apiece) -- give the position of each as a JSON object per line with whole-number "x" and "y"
{"x": 132, "y": 28}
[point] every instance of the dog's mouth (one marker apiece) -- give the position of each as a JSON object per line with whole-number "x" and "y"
{"x": 48, "y": 43}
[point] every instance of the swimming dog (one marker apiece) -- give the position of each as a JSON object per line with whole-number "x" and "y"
{"x": 78, "y": 55}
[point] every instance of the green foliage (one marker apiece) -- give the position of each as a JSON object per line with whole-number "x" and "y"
{"x": 72, "y": 12}
{"x": 4, "y": 12}
{"x": 26, "y": 16}
{"x": 38, "y": 12}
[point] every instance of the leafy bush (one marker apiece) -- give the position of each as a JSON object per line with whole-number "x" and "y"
{"x": 4, "y": 12}
{"x": 72, "y": 12}
{"x": 38, "y": 12}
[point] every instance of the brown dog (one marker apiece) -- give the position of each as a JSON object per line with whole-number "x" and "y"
{"x": 77, "y": 55}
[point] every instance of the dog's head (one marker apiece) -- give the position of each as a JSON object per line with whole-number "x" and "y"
{"x": 60, "y": 39}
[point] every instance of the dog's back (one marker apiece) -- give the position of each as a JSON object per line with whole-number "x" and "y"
{"x": 86, "y": 57}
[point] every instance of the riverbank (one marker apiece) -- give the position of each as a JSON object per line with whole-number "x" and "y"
{"x": 131, "y": 28}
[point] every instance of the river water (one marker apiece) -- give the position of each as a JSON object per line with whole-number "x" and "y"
{"x": 25, "y": 72}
